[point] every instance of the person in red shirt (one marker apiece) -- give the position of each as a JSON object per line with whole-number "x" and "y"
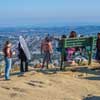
{"x": 8, "y": 59}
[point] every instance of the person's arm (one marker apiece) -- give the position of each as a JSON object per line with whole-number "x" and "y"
{"x": 41, "y": 47}
{"x": 96, "y": 43}
{"x": 14, "y": 52}
{"x": 50, "y": 48}
{"x": 8, "y": 52}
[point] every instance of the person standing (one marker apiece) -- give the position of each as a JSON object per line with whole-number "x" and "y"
{"x": 98, "y": 48}
{"x": 8, "y": 59}
{"x": 47, "y": 50}
{"x": 23, "y": 60}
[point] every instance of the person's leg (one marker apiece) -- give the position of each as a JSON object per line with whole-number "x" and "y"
{"x": 69, "y": 56}
{"x": 21, "y": 66}
{"x": 99, "y": 57}
{"x": 6, "y": 68}
{"x": 8, "y": 62}
{"x": 10, "y": 65}
{"x": 44, "y": 60}
{"x": 48, "y": 59}
{"x": 26, "y": 66}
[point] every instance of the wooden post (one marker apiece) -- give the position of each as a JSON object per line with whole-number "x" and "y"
{"x": 62, "y": 53}
{"x": 91, "y": 50}
{"x": 61, "y": 61}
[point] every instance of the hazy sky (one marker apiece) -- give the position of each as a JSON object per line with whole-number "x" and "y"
{"x": 49, "y": 12}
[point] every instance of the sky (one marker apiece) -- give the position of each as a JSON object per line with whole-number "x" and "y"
{"x": 49, "y": 12}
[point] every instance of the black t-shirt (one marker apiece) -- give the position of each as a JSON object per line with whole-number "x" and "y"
{"x": 21, "y": 55}
{"x": 98, "y": 44}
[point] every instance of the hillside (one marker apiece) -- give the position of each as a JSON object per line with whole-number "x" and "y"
{"x": 51, "y": 85}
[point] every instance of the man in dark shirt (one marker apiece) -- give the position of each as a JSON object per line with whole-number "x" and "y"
{"x": 23, "y": 59}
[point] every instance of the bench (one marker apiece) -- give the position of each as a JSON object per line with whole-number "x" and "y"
{"x": 87, "y": 42}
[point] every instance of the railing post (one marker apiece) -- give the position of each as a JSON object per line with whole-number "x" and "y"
{"x": 91, "y": 50}
{"x": 62, "y": 52}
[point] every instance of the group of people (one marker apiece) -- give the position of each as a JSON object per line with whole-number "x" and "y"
{"x": 7, "y": 50}
{"x": 46, "y": 51}
{"x": 71, "y": 51}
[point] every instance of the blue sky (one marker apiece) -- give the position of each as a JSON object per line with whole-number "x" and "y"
{"x": 49, "y": 12}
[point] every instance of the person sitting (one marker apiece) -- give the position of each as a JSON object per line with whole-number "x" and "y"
{"x": 71, "y": 51}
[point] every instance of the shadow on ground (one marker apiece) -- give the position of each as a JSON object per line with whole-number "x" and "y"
{"x": 96, "y": 78}
{"x": 48, "y": 71}
{"x": 92, "y": 98}
{"x": 86, "y": 70}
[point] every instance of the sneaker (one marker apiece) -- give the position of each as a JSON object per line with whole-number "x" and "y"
{"x": 21, "y": 74}
{"x": 42, "y": 69}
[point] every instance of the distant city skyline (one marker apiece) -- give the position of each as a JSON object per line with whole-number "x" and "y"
{"x": 49, "y": 12}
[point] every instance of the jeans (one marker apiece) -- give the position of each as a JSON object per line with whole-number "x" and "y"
{"x": 8, "y": 64}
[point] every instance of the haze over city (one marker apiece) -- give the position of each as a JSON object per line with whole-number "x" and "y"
{"x": 49, "y": 12}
